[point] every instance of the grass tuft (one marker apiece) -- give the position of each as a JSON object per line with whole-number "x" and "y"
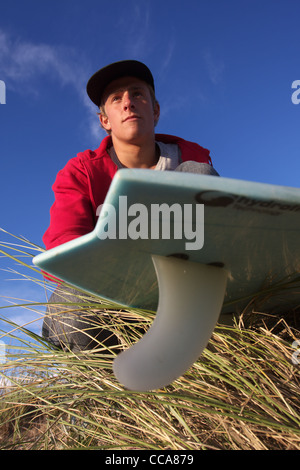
{"x": 242, "y": 394}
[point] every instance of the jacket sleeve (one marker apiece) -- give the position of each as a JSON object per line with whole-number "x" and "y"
{"x": 71, "y": 214}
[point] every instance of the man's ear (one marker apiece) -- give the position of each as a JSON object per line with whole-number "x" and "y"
{"x": 104, "y": 122}
{"x": 156, "y": 112}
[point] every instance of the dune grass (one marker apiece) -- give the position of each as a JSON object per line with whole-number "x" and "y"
{"x": 242, "y": 393}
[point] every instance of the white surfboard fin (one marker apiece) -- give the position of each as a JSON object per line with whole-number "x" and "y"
{"x": 190, "y": 300}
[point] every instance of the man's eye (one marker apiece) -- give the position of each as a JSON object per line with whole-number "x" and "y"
{"x": 115, "y": 98}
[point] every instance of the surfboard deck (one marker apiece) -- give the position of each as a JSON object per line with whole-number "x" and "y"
{"x": 250, "y": 230}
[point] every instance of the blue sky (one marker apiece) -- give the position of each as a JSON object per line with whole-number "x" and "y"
{"x": 223, "y": 72}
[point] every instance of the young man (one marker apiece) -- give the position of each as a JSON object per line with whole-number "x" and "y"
{"x": 124, "y": 92}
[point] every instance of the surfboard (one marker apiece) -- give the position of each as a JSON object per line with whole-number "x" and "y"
{"x": 190, "y": 247}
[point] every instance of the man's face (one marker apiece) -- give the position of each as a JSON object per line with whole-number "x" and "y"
{"x": 130, "y": 112}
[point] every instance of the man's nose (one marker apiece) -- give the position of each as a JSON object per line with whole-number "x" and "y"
{"x": 127, "y": 101}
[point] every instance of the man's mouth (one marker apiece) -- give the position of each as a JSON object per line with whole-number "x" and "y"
{"x": 132, "y": 117}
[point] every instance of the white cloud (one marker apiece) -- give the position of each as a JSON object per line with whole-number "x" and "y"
{"x": 215, "y": 67}
{"x": 27, "y": 317}
{"x": 24, "y": 61}
{"x": 5, "y": 385}
{"x": 137, "y": 36}
{"x": 14, "y": 294}
{"x": 23, "y": 64}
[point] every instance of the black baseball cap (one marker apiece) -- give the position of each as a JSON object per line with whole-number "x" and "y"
{"x": 125, "y": 68}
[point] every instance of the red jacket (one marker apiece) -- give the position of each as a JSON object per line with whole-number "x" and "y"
{"x": 81, "y": 186}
